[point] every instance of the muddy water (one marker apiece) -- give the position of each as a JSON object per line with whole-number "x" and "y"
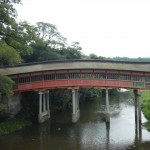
{"x": 90, "y": 133}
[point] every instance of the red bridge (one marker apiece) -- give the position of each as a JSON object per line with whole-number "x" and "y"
{"x": 79, "y": 73}
{"x": 75, "y": 74}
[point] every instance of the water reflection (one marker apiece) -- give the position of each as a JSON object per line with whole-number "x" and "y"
{"x": 107, "y": 135}
{"x": 138, "y": 132}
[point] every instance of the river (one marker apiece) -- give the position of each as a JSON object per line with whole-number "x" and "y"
{"x": 89, "y": 133}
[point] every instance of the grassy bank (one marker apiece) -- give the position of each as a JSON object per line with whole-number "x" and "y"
{"x": 12, "y": 125}
{"x": 146, "y": 107}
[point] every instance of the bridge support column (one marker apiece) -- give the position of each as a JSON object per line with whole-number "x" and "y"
{"x": 75, "y": 106}
{"x": 44, "y": 110}
{"x": 136, "y": 114}
{"x": 135, "y": 103}
{"x": 107, "y": 107}
{"x": 139, "y": 106}
{"x": 138, "y": 118}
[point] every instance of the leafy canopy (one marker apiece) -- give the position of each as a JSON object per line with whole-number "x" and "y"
{"x": 6, "y": 85}
{"x": 8, "y": 55}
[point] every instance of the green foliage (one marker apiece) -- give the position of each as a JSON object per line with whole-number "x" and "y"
{"x": 93, "y": 56}
{"x": 48, "y": 33}
{"x": 72, "y": 51}
{"x": 6, "y": 86}
{"x": 30, "y": 106}
{"x": 60, "y": 99}
{"x": 20, "y": 38}
{"x": 12, "y": 125}
{"x": 146, "y": 104}
{"x": 147, "y": 124}
{"x": 139, "y": 59}
{"x": 8, "y": 55}
{"x": 7, "y": 17}
{"x": 2, "y": 107}
{"x": 17, "y": 35}
{"x": 146, "y": 107}
{"x": 89, "y": 94}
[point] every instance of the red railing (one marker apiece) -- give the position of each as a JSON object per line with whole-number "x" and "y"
{"x": 83, "y": 79}
{"x": 68, "y": 83}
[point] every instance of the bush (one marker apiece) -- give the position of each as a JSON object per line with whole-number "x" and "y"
{"x": 146, "y": 107}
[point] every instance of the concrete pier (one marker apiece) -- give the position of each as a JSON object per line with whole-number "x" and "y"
{"x": 107, "y": 114}
{"x": 138, "y": 105}
{"x": 75, "y": 106}
{"x": 44, "y": 109}
{"x": 138, "y": 118}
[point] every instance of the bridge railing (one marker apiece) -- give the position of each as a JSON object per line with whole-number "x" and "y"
{"x": 81, "y": 78}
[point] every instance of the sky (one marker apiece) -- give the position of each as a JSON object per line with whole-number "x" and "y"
{"x": 108, "y": 28}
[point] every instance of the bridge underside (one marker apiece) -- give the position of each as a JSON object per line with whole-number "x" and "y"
{"x": 44, "y": 108}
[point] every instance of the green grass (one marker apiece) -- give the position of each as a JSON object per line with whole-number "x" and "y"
{"x": 147, "y": 125}
{"x": 12, "y": 125}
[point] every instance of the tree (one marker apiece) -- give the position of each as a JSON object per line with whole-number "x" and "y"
{"x": 17, "y": 35}
{"x": 7, "y": 17}
{"x": 6, "y": 86}
{"x": 72, "y": 52}
{"x": 93, "y": 56}
{"x": 8, "y": 55}
{"x": 49, "y": 33}
{"x": 46, "y": 42}
{"x": 21, "y": 38}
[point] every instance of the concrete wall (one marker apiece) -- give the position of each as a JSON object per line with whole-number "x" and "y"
{"x": 14, "y": 104}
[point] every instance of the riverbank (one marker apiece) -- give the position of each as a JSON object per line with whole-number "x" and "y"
{"x": 12, "y": 125}
{"x": 145, "y": 96}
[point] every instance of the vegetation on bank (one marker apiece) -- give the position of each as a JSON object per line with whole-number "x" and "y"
{"x": 146, "y": 107}
{"x": 12, "y": 125}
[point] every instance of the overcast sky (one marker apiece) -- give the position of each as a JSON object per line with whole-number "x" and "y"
{"x": 105, "y": 27}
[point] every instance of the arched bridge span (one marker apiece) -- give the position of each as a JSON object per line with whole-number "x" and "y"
{"x": 79, "y": 73}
